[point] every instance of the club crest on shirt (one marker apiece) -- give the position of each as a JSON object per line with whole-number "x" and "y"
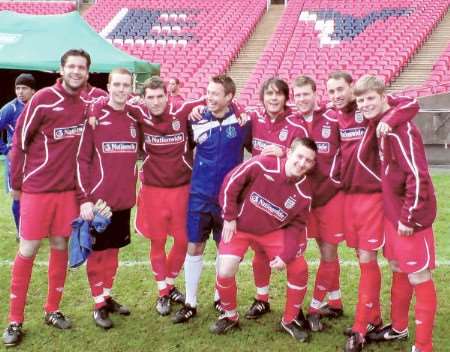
{"x": 290, "y": 202}
{"x": 283, "y": 135}
{"x": 231, "y": 132}
{"x": 176, "y": 125}
{"x": 359, "y": 116}
{"x": 326, "y": 131}
{"x": 133, "y": 132}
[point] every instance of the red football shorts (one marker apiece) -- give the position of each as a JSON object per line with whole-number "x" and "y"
{"x": 327, "y": 222}
{"x": 162, "y": 211}
{"x": 363, "y": 220}
{"x": 411, "y": 253}
{"x": 271, "y": 243}
{"x": 47, "y": 214}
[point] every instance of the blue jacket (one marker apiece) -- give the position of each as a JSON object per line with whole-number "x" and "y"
{"x": 80, "y": 245}
{"x": 219, "y": 148}
{"x": 8, "y": 116}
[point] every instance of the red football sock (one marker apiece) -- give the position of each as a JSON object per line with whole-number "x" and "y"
{"x": 57, "y": 270}
{"x": 111, "y": 263}
{"x": 297, "y": 280}
{"x": 176, "y": 256}
{"x": 227, "y": 291}
{"x": 322, "y": 285}
{"x": 425, "y": 310}
{"x": 159, "y": 264}
{"x": 401, "y": 294}
{"x": 20, "y": 280}
{"x": 261, "y": 274}
{"x": 368, "y": 306}
{"x": 94, "y": 269}
{"x": 334, "y": 292}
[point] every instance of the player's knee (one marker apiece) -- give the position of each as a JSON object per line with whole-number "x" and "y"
{"x": 419, "y": 277}
{"x": 366, "y": 256}
{"x": 228, "y": 265}
{"x": 157, "y": 246}
{"x": 58, "y": 242}
{"x": 29, "y": 248}
{"x": 328, "y": 251}
{"x": 394, "y": 266}
{"x": 194, "y": 248}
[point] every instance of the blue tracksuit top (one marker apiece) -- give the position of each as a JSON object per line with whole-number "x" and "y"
{"x": 8, "y": 116}
{"x": 219, "y": 148}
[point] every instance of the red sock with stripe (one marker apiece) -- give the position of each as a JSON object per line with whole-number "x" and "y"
{"x": 227, "y": 291}
{"x": 334, "y": 292}
{"x": 57, "y": 271}
{"x": 322, "y": 285}
{"x": 159, "y": 264}
{"x": 20, "y": 280}
{"x": 401, "y": 294}
{"x": 261, "y": 274}
{"x": 297, "y": 280}
{"x": 111, "y": 263}
{"x": 94, "y": 270}
{"x": 425, "y": 310}
{"x": 176, "y": 257}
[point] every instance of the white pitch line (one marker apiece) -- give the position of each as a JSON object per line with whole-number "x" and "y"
{"x": 209, "y": 263}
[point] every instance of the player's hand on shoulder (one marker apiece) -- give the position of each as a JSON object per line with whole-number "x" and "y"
{"x": 404, "y": 230}
{"x": 87, "y": 211}
{"x": 272, "y": 150}
{"x": 277, "y": 263}
{"x": 383, "y": 129}
{"x": 196, "y": 113}
{"x": 228, "y": 230}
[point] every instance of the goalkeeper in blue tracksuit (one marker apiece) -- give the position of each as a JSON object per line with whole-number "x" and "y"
{"x": 25, "y": 87}
{"x": 220, "y": 140}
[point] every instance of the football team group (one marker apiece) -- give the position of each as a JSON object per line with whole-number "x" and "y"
{"x": 353, "y": 170}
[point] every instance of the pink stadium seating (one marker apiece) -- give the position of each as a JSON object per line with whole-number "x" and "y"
{"x": 38, "y": 7}
{"x": 393, "y": 31}
{"x": 192, "y": 39}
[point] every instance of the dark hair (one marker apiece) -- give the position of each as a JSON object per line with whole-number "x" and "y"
{"x": 76, "y": 52}
{"x": 226, "y": 82}
{"x": 301, "y": 81}
{"x": 26, "y": 79}
{"x": 279, "y": 84}
{"x": 347, "y": 77}
{"x": 177, "y": 81}
{"x": 305, "y": 141}
{"x": 155, "y": 82}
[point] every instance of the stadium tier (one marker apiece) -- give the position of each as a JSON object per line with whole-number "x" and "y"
{"x": 315, "y": 37}
{"x": 191, "y": 39}
{"x": 38, "y": 7}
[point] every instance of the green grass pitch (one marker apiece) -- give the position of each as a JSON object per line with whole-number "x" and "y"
{"x": 144, "y": 330}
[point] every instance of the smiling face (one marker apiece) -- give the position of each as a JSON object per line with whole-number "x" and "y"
{"x": 299, "y": 161}
{"x": 74, "y": 73}
{"x": 340, "y": 92}
{"x": 371, "y": 104}
{"x": 216, "y": 99}
{"x": 304, "y": 98}
{"x": 274, "y": 100}
{"x": 119, "y": 89}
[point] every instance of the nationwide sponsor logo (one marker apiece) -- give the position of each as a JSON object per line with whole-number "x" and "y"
{"x": 290, "y": 202}
{"x": 119, "y": 147}
{"x": 283, "y": 134}
{"x": 352, "y": 133}
{"x": 326, "y": 131}
{"x": 167, "y": 139}
{"x": 260, "y": 144}
{"x": 67, "y": 132}
{"x": 323, "y": 147}
{"x": 268, "y": 207}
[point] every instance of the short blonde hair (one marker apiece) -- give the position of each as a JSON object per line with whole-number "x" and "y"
{"x": 120, "y": 71}
{"x": 369, "y": 83}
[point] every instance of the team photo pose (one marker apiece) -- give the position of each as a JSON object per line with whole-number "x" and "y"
{"x": 43, "y": 172}
{"x": 266, "y": 201}
{"x": 410, "y": 209}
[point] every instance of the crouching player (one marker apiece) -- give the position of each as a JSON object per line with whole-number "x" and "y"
{"x": 410, "y": 209}
{"x": 106, "y": 169}
{"x": 266, "y": 201}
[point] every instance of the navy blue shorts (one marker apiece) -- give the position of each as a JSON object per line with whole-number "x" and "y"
{"x": 201, "y": 224}
{"x": 116, "y": 235}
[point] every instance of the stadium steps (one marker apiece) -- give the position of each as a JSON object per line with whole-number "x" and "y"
{"x": 242, "y": 67}
{"x": 421, "y": 65}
